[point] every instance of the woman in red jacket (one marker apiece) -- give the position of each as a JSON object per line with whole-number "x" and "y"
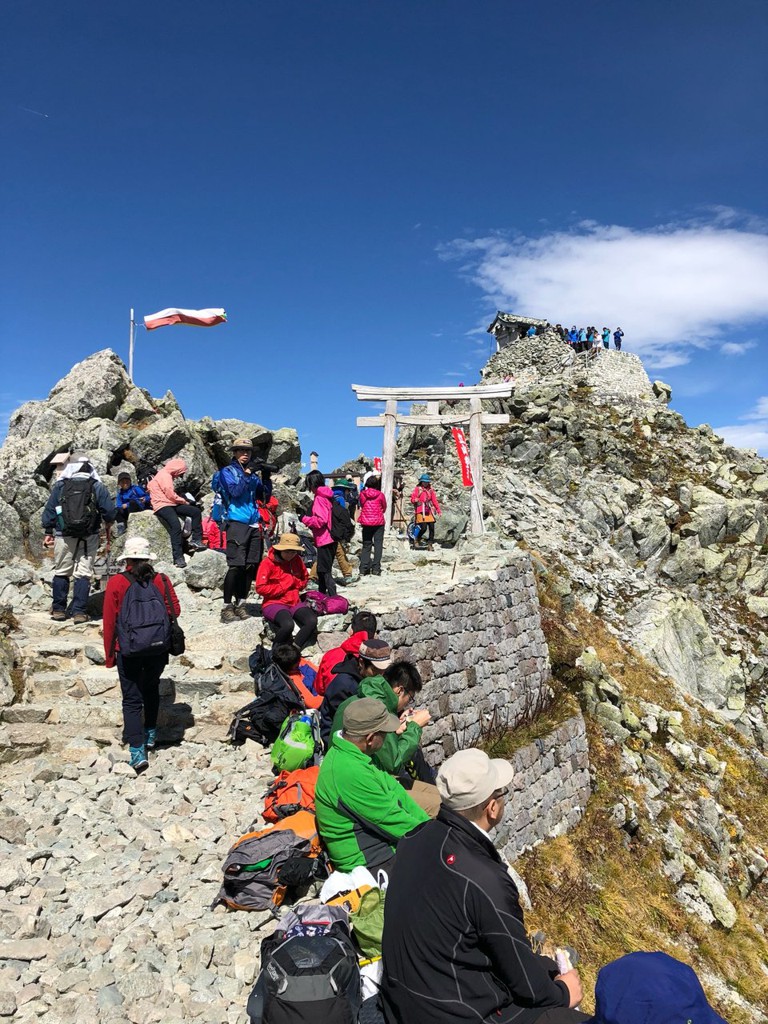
{"x": 139, "y": 673}
{"x": 427, "y": 508}
{"x": 373, "y": 505}
{"x": 281, "y": 579}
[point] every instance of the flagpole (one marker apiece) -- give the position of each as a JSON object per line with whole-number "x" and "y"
{"x": 130, "y": 347}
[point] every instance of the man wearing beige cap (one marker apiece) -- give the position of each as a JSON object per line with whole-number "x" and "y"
{"x": 362, "y": 812}
{"x": 455, "y": 946}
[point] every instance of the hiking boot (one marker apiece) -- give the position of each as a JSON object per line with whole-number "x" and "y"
{"x": 241, "y": 612}
{"x": 57, "y": 615}
{"x": 346, "y": 580}
{"x": 139, "y": 761}
{"x": 150, "y": 738}
{"x": 180, "y": 563}
{"x": 80, "y": 618}
{"x": 228, "y": 614}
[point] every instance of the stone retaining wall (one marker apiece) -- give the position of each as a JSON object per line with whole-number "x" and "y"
{"x": 480, "y": 649}
{"x": 550, "y": 789}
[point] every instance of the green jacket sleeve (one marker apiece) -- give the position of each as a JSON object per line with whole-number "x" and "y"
{"x": 382, "y": 804}
{"x": 398, "y": 750}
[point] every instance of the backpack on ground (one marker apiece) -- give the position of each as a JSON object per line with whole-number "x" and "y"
{"x": 143, "y": 622}
{"x": 79, "y": 509}
{"x": 307, "y": 978}
{"x": 298, "y": 744}
{"x": 324, "y": 604}
{"x": 262, "y": 719}
{"x": 263, "y": 867}
{"x": 291, "y": 792}
{"x": 342, "y": 526}
{"x": 259, "y": 660}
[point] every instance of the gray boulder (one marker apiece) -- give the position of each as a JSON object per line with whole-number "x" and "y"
{"x": 206, "y": 571}
{"x": 11, "y": 537}
{"x": 95, "y": 387}
{"x": 662, "y": 391}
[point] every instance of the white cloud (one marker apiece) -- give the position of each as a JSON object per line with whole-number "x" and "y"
{"x": 737, "y": 348}
{"x": 752, "y": 432}
{"x": 672, "y": 289}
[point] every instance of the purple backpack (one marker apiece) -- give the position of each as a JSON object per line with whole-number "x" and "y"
{"x": 325, "y": 605}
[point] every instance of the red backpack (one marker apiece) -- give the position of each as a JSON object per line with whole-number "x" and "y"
{"x": 291, "y": 792}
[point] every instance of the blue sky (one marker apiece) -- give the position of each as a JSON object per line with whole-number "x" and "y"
{"x": 361, "y": 184}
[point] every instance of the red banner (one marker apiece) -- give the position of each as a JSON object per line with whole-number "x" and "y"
{"x": 377, "y": 464}
{"x": 463, "y": 452}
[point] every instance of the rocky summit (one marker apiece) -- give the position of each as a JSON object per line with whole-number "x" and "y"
{"x": 606, "y": 635}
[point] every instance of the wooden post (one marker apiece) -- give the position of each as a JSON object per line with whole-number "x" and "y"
{"x": 476, "y": 462}
{"x": 388, "y": 454}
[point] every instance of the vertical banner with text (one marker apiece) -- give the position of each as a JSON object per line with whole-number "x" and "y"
{"x": 462, "y": 451}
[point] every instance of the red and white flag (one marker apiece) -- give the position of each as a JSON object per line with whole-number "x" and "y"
{"x": 193, "y": 317}
{"x": 462, "y": 451}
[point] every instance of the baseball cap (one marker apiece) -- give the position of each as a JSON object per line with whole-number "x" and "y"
{"x": 376, "y": 651}
{"x": 368, "y": 714}
{"x": 469, "y": 777}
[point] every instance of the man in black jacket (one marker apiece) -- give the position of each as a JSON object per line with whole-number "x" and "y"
{"x": 455, "y": 947}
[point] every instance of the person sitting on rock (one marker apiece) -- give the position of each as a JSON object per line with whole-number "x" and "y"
{"x": 363, "y": 627}
{"x": 301, "y": 672}
{"x": 281, "y": 581}
{"x": 373, "y": 657}
{"x": 242, "y": 490}
{"x": 76, "y": 507}
{"x": 469, "y": 928}
{"x": 362, "y": 812}
{"x": 139, "y": 673}
{"x": 170, "y": 508}
{"x": 130, "y": 498}
{"x": 426, "y": 508}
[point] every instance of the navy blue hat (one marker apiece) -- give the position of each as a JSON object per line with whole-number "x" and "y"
{"x": 651, "y": 988}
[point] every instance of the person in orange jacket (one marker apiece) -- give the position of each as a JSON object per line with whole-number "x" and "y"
{"x": 427, "y": 509}
{"x": 281, "y": 581}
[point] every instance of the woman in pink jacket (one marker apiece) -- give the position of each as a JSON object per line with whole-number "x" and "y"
{"x": 373, "y": 505}
{"x": 170, "y": 508}
{"x": 427, "y": 508}
{"x": 319, "y": 522}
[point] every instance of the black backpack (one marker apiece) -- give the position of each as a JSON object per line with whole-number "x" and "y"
{"x": 262, "y": 719}
{"x": 306, "y": 979}
{"x": 342, "y": 527}
{"x": 79, "y": 511}
{"x": 143, "y": 622}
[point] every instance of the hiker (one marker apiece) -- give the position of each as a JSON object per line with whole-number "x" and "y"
{"x": 146, "y": 614}
{"x": 400, "y": 754}
{"x": 269, "y": 518}
{"x": 606, "y": 337}
{"x": 373, "y": 506}
{"x": 531, "y": 332}
{"x": 642, "y": 987}
{"x": 214, "y": 536}
{"x": 287, "y": 657}
{"x": 362, "y": 627}
{"x": 72, "y": 518}
{"x": 130, "y": 498}
{"x": 281, "y": 580}
{"x": 427, "y": 508}
{"x": 342, "y": 497}
{"x": 572, "y": 337}
{"x": 170, "y": 508}
{"x": 560, "y": 331}
{"x": 582, "y": 339}
{"x": 469, "y": 927}
{"x": 361, "y": 811}
{"x": 318, "y": 519}
{"x": 618, "y": 334}
{"x": 241, "y": 489}
{"x": 372, "y": 658}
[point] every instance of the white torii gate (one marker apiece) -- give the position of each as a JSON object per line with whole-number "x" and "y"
{"x": 475, "y": 417}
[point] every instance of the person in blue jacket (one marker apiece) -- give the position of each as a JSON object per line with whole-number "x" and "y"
{"x": 130, "y": 498}
{"x": 573, "y": 336}
{"x": 531, "y": 332}
{"x": 606, "y": 337}
{"x": 241, "y": 490}
{"x": 618, "y": 334}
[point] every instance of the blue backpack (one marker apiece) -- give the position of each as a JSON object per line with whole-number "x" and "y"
{"x": 143, "y": 622}
{"x": 220, "y": 498}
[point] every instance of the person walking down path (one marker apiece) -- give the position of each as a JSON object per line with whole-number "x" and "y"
{"x": 76, "y": 507}
{"x": 130, "y": 498}
{"x": 170, "y": 508}
{"x": 373, "y": 507}
{"x": 606, "y": 337}
{"x": 242, "y": 490}
{"x": 280, "y": 581}
{"x": 139, "y": 604}
{"x": 618, "y": 334}
{"x": 319, "y": 522}
{"x": 427, "y": 508}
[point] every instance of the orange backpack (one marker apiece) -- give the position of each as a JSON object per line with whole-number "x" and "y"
{"x": 291, "y": 792}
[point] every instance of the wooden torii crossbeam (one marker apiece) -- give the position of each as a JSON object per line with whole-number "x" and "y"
{"x": 475, "y": 417}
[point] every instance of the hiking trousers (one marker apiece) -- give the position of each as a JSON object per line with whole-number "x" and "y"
{"x": 341, "y": 557}
{"x": 140, "y": 685}
{"x": 171, "y": 517}
{"x": 303, "y": 616}
{"x": 325, "y": 553}
{"x": 373, "y": 537}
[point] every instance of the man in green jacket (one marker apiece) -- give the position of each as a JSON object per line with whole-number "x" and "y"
{"x": 361, "y": 810}
{"x": 396, "y": 688}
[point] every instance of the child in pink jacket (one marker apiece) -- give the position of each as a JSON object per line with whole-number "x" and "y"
{"x": 170, "y": 508}
{"x": 319, "y": 522}
{"x": 427, "y": 508}
{"x": 373, "y": 506}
